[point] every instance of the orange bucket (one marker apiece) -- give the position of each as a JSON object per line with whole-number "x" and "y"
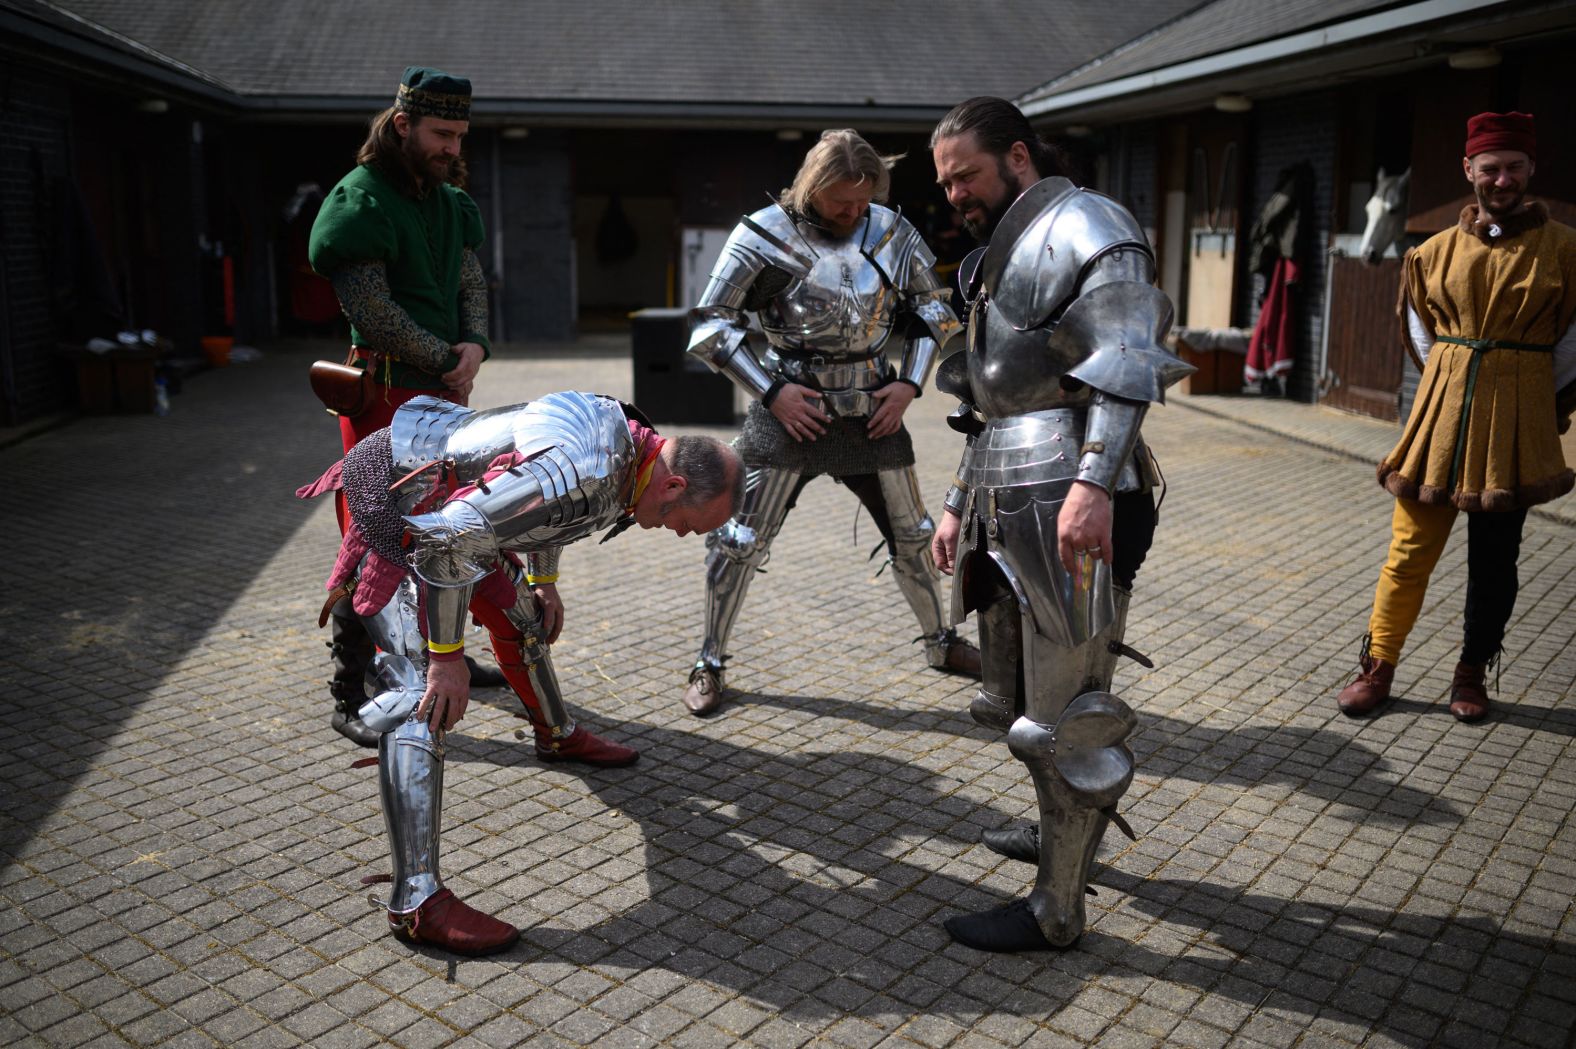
{"x": 217, "y": 349}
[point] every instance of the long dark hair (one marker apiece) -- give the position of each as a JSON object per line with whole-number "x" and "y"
{"x": 385, "y": 150}
{"x": 996, "y": 124}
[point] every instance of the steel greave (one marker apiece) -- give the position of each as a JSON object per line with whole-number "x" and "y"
{"x": 912, "y": 563}
{"x": 737, "y": 550}
{"x": 1073, "y": 741}
{"x": 410, "y": 760}
{"x": 534, "y": 655}
{"x": 999, "y": 701}
{"x": 1081, "y": 767}
{"x": 410, "y": 782}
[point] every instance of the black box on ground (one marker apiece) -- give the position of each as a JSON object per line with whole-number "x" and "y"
{"x": 670, "y": 385}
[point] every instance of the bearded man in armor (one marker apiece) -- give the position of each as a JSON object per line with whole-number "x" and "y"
{"x": 1051, "y": 512}
{"x": 457, "y": 513}
{"x": 836, "y": 281}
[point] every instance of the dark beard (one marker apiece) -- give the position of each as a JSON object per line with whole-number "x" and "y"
{"x": 982, "y": 230}
{"x": 427, "y": 174}
{"x": 1500, "y": 213}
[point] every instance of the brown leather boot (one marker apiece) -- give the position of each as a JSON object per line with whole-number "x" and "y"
{"x": 962, "y": 658}
{"x": 1371, "y": 688}
{"x": 704, "y": 694}
{"x": 1468, "y": 693}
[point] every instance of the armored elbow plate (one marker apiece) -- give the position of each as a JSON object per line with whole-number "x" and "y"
{"x": 1118, "y": 330}
{"x": 453, "y": 546}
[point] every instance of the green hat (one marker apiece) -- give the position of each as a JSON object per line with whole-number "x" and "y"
{"x": 426, "y": 92}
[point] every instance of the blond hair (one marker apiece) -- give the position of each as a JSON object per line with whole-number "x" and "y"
{"x": 840, "y": 156}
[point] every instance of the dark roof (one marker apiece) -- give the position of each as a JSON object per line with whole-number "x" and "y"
{"x": 1267, "y": 47}
{"x": 523, "y": 55}
{"x": 1209, "y": 29}
{"x": 32, "y": 28}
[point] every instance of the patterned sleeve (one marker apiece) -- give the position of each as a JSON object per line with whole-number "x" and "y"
{"x": 473, "y": 300}
{"x": 363, "y": 290}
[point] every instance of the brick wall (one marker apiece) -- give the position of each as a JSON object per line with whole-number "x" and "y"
{"x": 1289, "y": 131}
{"x": 34, "y": 116}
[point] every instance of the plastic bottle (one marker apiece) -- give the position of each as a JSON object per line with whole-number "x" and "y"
{"x": 161, "y": 397}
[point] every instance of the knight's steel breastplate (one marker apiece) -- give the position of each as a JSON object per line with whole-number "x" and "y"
{"x": 1011, "y": 371}
{"x": 577, "y": 454}
{"x": 1022, "y": 283}
{"x": 840, "y": 308}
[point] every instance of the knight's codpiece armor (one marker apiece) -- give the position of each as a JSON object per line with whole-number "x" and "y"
{"x": 1064, "y": 355}
{"x": 835, "y": 310}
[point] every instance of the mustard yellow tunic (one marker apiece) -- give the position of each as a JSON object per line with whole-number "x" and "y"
{"x": 1482, "y": 434}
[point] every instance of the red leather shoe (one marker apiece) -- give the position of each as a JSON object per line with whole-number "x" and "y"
{"x": 446, "y": 923}
{"x": 587, "y": 748}
{"x": 1468, "y": 693}
{"x": 1371, "y": 688}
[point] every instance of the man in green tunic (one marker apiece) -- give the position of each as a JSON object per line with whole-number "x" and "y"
{"x": 398, "y": 238}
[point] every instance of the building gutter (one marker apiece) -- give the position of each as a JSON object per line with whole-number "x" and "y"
{"x": 548, "y": 112}
{"x": 1281, "y": 49}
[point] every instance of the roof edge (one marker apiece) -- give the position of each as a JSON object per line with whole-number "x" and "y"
{"x": 1037, "y": 104}
{"x": 547, "y": 112}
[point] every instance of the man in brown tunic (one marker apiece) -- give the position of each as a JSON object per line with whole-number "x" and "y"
{"x": 1488, "y": 307}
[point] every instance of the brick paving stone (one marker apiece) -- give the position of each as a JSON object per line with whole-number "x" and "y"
{"x": 184, "y": 839}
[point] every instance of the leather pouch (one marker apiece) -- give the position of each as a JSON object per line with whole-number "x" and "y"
{"x": 343, "y": 388}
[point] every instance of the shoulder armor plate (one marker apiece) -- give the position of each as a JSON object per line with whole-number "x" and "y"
{"x": 1045, "y": 242}
{"x": 772, "y": 237}
{"x": 1119, "y": 330}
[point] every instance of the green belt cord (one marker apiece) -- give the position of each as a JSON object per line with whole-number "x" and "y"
{"x": 1479, "y": 347}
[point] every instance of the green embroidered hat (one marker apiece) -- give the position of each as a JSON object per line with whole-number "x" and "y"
{"x": 426, "y": 92}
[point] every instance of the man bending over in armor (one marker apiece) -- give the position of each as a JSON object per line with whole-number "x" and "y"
{"x": 457, "y": 513}
{"x": 836, "y": 281}
{"x": 1051, "y": 513}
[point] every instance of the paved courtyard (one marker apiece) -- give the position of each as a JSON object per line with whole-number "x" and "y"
{"x": 183, "y": 839}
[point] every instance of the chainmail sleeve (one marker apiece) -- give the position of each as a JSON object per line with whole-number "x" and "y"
{"x": 363, "y": 290}
{"x": 473, "y": 300}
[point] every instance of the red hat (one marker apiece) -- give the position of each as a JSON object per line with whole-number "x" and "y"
{"x": 1491, "y": 131}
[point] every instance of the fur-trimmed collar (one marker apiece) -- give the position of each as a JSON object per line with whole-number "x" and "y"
{"x": 1491, "y": 230}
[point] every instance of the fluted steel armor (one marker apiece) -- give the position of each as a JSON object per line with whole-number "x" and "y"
{"x": 574, "y": 475}
{"x": 574, "y": 478}
{"x": 828, "y": 305}
{"x": 1064, "y": 354}
{"x": 410, "y": 760}
{"x": 832, "y": 308}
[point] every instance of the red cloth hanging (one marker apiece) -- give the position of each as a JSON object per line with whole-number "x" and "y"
{"x": 1272, "y": 348}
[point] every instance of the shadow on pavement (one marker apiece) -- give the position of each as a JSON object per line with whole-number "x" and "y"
{"x": 815, "y": 882}
{"x": 143, "y": 532}
{"x": 1246, "y": 768}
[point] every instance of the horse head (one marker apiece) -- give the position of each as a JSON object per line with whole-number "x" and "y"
{"x": 1386, "y": 215}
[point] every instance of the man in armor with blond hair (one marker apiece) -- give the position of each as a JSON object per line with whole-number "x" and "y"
{"x": 457, "y": 513}
{"x": 836, "y": 280}
{"x": 1051, "y": 513}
